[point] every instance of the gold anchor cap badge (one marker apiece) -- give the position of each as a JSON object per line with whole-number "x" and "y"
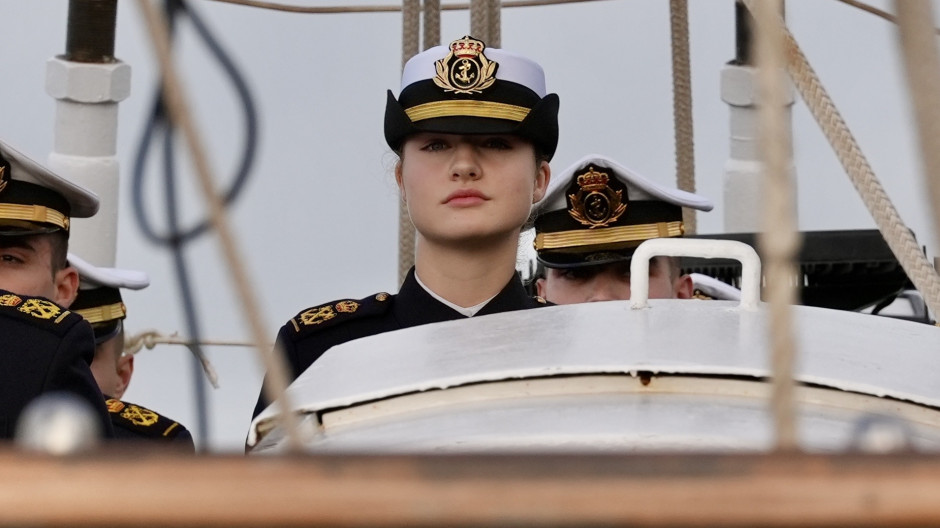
{"x": 465, "y": 69}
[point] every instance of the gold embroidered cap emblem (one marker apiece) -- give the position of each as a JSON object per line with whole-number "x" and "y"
{"x": 315, "y": 316}
{"x": 40, "y": 308}
{"x": 465, "y": 69}
{"x": 10, "y": 300}
{"x": 140, "y": 416}
{"x": 596, "y": 203}
{"x": 347, "y": 306}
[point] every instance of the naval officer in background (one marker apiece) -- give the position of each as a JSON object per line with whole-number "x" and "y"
{"x": 594, "y": 215}
{"x": 44, "y": 347}
{"x": 100, "y": 303}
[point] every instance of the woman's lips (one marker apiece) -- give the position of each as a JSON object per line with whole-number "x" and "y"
{"x": 465, "y": 197}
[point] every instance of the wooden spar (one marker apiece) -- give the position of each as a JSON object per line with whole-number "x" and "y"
{"x": 127, "y": 488}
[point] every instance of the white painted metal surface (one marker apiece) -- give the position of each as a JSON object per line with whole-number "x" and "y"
{"x": 743, "y": 169}
{"x": 679, "y": 247}
{"x": 85, "y": 149}
{"x": 855, "y": 363}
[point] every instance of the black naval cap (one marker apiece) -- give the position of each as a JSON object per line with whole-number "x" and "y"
{"x": 34, "y": 200}
{"x": 466, "y": 88}
{"x": 99, "y": 295}
{"x": 598, "y": 211}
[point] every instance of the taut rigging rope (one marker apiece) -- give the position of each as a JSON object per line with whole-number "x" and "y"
{"x": 682, "y": 106}
{"x": 895, "y": 232}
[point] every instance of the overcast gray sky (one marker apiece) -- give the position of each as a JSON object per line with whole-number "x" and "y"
{"x": 318, "y": 220}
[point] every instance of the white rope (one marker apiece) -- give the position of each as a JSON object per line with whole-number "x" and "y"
{"x": 922, "y": 63}
{"x": 432, "y": 23}
{"x": 779, "y": 241}
{"x": 682, "y": 106}
{"x": 897, "y": 235}
{"x": 180, "y": 115}
{"x": 331, "y": 10}
{"x": 494, "y": 21}
{"x": 410, "y": 40}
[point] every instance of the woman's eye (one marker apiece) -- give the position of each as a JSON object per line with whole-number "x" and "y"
{"x": 497, "y": 143}
{"x": 433, "y": 146}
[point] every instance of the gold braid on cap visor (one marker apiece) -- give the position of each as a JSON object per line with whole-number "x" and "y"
{"x": 34, "y": 213}
{"x": 468, "y": 109}
{"x": 608, "y": 235}
{"x": 103, "y": 314}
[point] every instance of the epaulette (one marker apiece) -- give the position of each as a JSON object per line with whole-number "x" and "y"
{"x": 142, "y": 421}
{"x": 330, "y": 314}
{"x": 37, "y": 311}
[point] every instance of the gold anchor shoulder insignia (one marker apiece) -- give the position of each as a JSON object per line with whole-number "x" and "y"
{"x": 315, "y": 316}
{"x": 596, "y": 203}
{"x": 338, "y": 312}
{"x": 140, "y": 416}
{"x": 465, "y": 69}
{"x": 40, "y": 308}
{"x": 10, "y": 300}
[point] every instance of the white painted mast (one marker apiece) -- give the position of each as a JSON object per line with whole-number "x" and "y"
{"x": 88, "y": 83}
{"x": 742, "y": 181}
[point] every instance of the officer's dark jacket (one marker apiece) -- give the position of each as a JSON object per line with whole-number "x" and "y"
{"x": 313, "y": 331}
{"x": 44, "y": 348}
{"x": 135, "y": 422}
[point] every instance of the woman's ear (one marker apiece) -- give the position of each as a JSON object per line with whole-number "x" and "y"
{"x": 400, "y": 181}
{"x": 542, "y": 177}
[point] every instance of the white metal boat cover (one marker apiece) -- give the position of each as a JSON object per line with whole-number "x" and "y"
{"x": 841, "y": 350}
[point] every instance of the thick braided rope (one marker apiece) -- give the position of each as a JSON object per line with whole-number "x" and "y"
{"x": 479, "y": 23}
{"x": 896, "y": 234}
{"x": 682, "y": 106}
{"x": 779, "y": 240}
{"x": 432, "y": 23}
{"x": 179, "y": 111}
{"x": 494, "y": 21}
{"x": 410, "y": 38}
{"x": 919, "y": 47}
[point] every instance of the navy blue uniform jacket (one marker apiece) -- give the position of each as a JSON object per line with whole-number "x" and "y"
{"x": 44, "y": 348}
{"x": 313, "y": 331}
{"x": 137, "y": 423}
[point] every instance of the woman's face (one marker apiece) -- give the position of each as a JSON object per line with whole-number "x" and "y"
{"x": 469, "y": 188}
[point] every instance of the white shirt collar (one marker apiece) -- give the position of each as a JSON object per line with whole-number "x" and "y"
{"x": 469, "y": 311}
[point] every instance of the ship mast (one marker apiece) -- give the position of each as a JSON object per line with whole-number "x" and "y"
{"x": 88, "y": 82}
{"x": 743, "y": 169}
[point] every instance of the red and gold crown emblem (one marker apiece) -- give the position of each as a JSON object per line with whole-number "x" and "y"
{"x": 466, "y": 48}
{"x": 465, "y": 69}
{"x": 593, "y": 180}
{"x": 10, "y": 300}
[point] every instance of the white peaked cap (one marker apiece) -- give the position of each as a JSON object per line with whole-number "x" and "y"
{"x": 638, "y": 187}
{"x": 715, "y": 288}
{"x": 83, "y": 202}
{"x": 512, "y": 67}
{"x": 96, "y": 277}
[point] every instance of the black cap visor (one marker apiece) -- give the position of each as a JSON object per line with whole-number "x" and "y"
{"x": 540, "y": 125}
